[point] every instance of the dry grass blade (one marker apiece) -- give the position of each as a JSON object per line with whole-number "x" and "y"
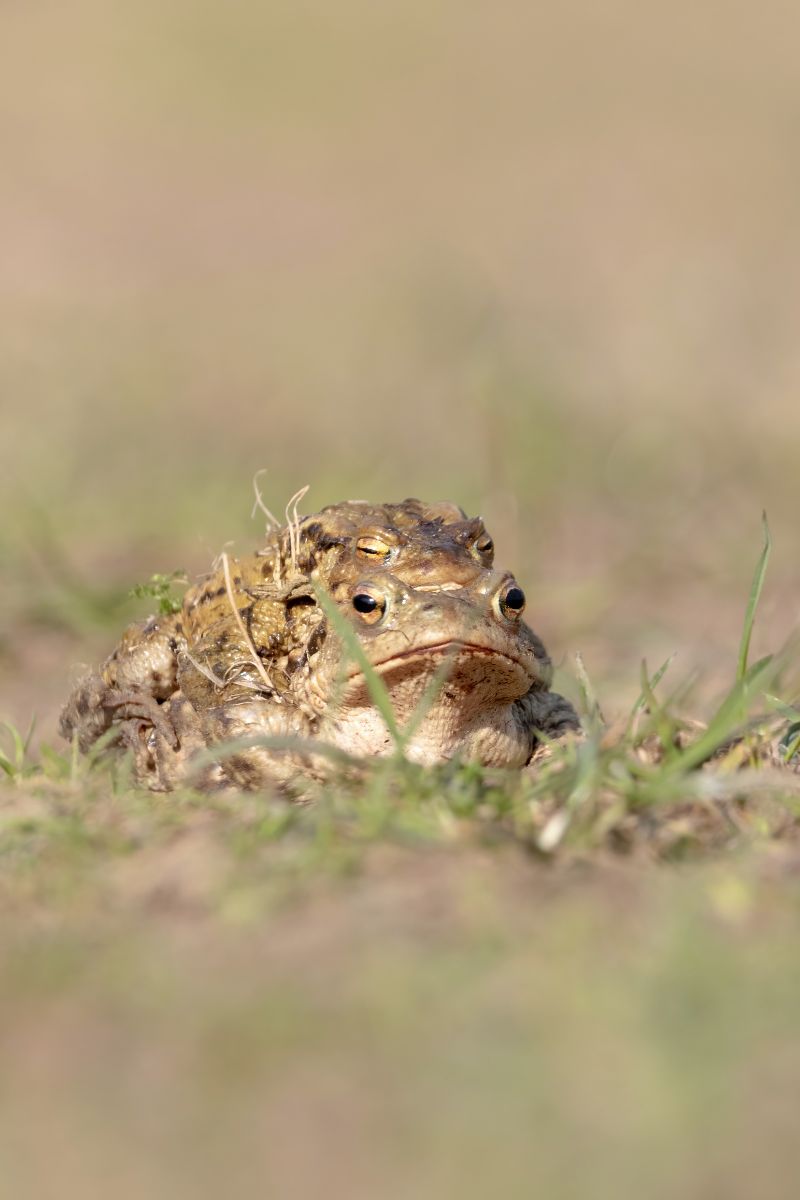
{"x": 259, "y": 501}
{"x": 198, "y": 666}
{"x": 293, "y": 522}
{"x": 254, "y": 658}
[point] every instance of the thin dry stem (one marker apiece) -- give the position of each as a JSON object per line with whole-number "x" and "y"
{"x": 198, "y": 666}
{"x": 259, "y": 501}
{"x": 293, "y": 522}
{"x": 217, "y": 562}
{"x": 237, "y": 616}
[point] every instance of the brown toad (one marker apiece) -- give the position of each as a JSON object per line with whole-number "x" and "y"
{"x": 252, "y": 653}
{"x": 465, "y": 678}
{"x": 233, "y": 625}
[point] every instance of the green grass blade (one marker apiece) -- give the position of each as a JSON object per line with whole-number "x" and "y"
{"x": 428, "y": 698}
{"x": 13, "y": 764}
{"x": 660, "y": 719}
{"x": 752, "y": 604}
{"x": 646, "y": 696}
{"x": 591, "y": 704}
{"x": 26, "y": 743}
{"x": 790, "y": 711}
{"x": 375, "y": 685}
{"x": 757, "y": 669}
{"x": 727, "y": 722}
{"x": 287, "y": 745}
{"x": 790, "y": 743}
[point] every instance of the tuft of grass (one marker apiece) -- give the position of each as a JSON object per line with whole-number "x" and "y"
{"x": 14, "y": 761}
{"x": 159, "y": 587}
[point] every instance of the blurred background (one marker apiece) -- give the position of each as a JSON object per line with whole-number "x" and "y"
{"x": 543, "y": 261}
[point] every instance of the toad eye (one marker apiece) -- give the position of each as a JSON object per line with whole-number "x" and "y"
{"x": 370, "y": 608}
{"x": 372, "y": 548}
{"x": 511, "y": 602}
{"x": 482, "y": 547}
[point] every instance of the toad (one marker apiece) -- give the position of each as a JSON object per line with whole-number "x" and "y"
{"x": 253, "y": 653}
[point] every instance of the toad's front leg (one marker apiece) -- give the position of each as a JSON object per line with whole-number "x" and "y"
{"x": 95, "y": 706}
{"x": 548, "y": 717}
{"x": 131, "y": 685}
{"x": 264, "y": 744}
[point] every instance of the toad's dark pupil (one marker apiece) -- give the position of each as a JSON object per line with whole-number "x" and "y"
{"x": 515, "y": 599}
{"x": 486, "y": 547}
{"x": 364, "y": 604}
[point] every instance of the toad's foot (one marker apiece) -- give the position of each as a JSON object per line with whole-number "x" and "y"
{"x": 552, "y": 719}
{"x": 95, "y": 707}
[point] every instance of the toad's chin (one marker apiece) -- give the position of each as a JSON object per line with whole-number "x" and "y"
{"x": 455, "y": 700}
{"x": 453, "y": 675}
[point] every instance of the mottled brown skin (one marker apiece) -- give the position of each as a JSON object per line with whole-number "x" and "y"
{"x": 493, "y": 699}
{"x": 252, "y": 654}
{"x": 429, "y": 545}
{"x": 491, "y": 703}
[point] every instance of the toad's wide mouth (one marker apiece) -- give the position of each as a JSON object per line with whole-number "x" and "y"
{"x": 436, "y": 655}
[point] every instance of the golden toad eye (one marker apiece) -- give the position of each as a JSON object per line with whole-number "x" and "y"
{"x": 511, "y": 602}
{"x": 370, "y": 608}
{"x": 372, "y": 548}
{"x": 485, "y": 545}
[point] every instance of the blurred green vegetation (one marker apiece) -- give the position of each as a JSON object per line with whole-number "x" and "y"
{"x": 198, "y": 993}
